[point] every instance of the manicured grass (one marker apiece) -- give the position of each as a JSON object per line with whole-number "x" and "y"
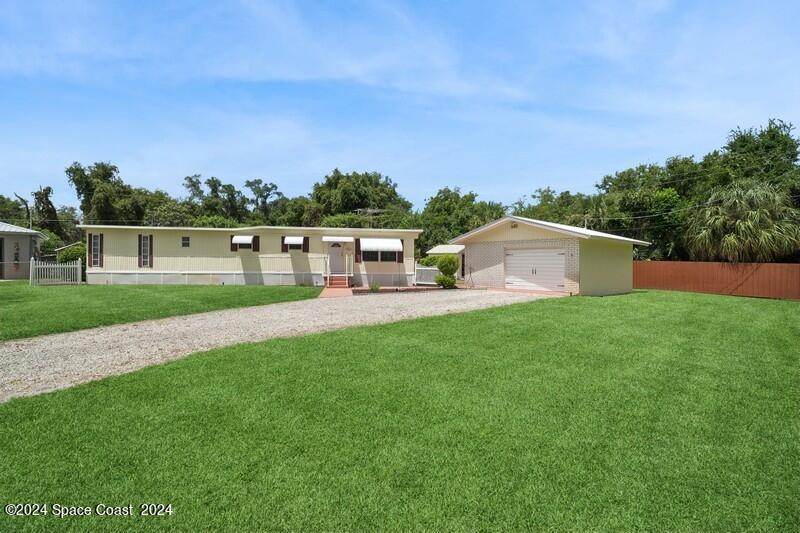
{"x": 651, "y": 411}
{"x": 27, "y": 311}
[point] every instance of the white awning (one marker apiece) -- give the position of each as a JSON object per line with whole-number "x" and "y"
{"x": 443, "y": 249}
{"x": 335, "y": 238}
{"x": 242, "y": 239}
{"x": 292, "y": 240}
{"x": 381, "y": 245}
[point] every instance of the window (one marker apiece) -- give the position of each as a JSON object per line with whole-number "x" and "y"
{"x": 96, "y": 250}
{"x": 369, "y": 256}
{"x": 389, "y": 257}
{"x": 146, "y": 250}
{"x": 245, "y": 245}
{"x": 185, "y": 241}
{"x": 294, "y": 242}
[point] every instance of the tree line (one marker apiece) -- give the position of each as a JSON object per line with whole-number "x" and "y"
{"x": 740, "y": 202}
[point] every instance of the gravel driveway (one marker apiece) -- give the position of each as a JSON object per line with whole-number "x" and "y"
{"x": 41, "y": 364}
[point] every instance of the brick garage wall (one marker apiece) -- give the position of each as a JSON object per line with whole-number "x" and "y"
{"x": 486, "y": 261}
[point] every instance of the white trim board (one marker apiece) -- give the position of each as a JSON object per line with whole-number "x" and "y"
{"x": 573, "y": 231}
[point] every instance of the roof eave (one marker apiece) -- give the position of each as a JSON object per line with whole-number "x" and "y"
{"x": 252, "y": 228}
{"x": 479, "y": 229}
{"x": 545, "y": 226}
{"x": 508, "y": 218}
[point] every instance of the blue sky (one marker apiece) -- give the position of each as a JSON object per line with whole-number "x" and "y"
{"x": 499, "y": 98}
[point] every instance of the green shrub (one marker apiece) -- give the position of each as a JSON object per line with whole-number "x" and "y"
{"x": 374, "y": 287}
{"x": 77, "y": 252}
{"x": 71, "y": 254}
{"x": 445, "y": 282}
{"x": 49, "y": 245}
{"x": 448, "y": 264}
{"x": 429, "y": 261}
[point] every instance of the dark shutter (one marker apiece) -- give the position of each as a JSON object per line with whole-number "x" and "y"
{"x": 234, "y": 246}
{"x": 463, "y": 261}
{"x": 284, "y": 246}
{"x": 139, "y": 252}
{"x": 150, "y": 255}
{"x": 89, "y": 250}
{"x": 101, "y": 250}
{"x": 256, "y": 243}
{"x": 305, "y": 245}
{"x": 400, "y": 253}
{"x": 358, "y": 250}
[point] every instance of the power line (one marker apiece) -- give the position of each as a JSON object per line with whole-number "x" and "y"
{"x": 695, "y": 174}
{"x": 653, "y": 215}
{"x": 670, "y": 211}
{"x": 667, "y": 225}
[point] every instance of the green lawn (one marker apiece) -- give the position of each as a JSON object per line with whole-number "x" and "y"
{"x": 651, "y": 411}
{"x": 27, "y": 311}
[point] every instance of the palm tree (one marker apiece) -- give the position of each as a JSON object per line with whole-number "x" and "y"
{"x": 745, "y": 221}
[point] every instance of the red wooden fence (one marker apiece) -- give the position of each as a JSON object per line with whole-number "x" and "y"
{"x": 767, "y": 280}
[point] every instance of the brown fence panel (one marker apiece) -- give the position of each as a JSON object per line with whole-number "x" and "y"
{"x": 766, "y": 280}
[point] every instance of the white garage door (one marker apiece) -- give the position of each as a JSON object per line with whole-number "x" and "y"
{"x": 541, "y": 270}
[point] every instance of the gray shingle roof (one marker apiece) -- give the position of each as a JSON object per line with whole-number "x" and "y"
{"x": 11, "y": 228}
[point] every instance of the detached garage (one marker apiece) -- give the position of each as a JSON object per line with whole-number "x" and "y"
{"x": 522, "y": 253}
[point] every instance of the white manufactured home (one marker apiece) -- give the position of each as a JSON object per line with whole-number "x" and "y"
{"x": 258, "y": 255}
{"x": 522, "y": 253}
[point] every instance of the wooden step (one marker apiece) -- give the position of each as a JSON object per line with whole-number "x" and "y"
{"x": 338, "y": 281}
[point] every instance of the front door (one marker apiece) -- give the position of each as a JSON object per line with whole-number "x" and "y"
{"x": 336, "y": 255}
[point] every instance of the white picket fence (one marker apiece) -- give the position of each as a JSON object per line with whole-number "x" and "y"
{"x": 49, "y": 273}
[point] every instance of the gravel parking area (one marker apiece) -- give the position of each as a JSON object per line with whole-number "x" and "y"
{"x": 41, "y": 364}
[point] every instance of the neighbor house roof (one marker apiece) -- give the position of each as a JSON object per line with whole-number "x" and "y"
{"x": 446, "y": 249}
{"x": 67, "y": 246}
{"x": 574, "y": 231}
{"x": 298, "y": 229}
{"x": 11, "y": 228}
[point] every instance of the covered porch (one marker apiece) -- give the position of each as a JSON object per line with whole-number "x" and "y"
{"x": 345, "y": 256}
{"x": 339, "y": 261}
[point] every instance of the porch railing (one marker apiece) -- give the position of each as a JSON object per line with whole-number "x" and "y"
{"x": 348, "y": 266}
{"x": 425, "y": 275}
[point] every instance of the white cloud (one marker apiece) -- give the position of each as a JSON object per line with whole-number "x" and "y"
{"x": 558, "y": 98}
{"x": 378, "y": 46}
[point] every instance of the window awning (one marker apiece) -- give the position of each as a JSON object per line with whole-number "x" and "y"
{"x": 336, "y": 238}
{"x": 242, "y": 239}
{"x": 381, "y": 245}
{"x": 292, "y": 240}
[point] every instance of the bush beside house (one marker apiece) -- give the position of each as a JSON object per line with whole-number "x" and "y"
{"x": 429, "y": 261}
{"x": 447, "y": 264}
{"x": 73, "y": 253}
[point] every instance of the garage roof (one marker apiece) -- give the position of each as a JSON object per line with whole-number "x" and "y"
{"x": 582, "y": 233}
